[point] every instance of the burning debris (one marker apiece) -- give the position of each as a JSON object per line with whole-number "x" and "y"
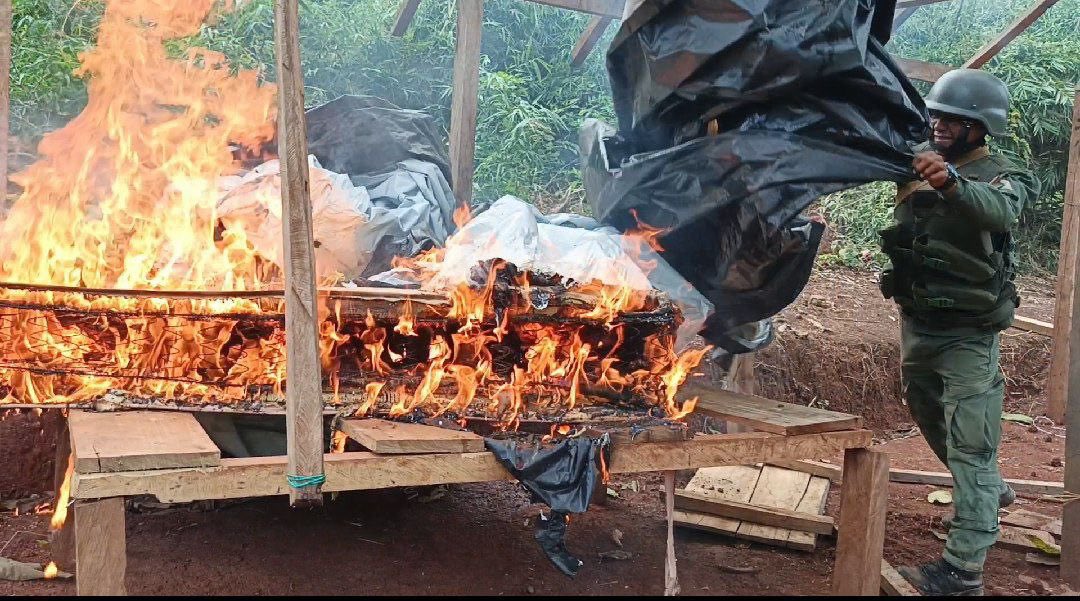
{"x": 121, "y": 277}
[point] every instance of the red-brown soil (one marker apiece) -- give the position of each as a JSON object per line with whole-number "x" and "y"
{"x": 837, "y": 347}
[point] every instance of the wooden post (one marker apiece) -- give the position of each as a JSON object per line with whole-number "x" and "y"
{"x": 5, "y": 97}
{"x": 303, "y": 387}
{"x": 864, "y": 499}
{"x": 62, "y": 541}
{"x": 470, "y": 23}
{"x": 995, "y": 45}
{"x": 100, "y": 547}
{"x": 1064, "y": 379}
{"x": 1070, "y": 529}
{"x": 585, "y": 44}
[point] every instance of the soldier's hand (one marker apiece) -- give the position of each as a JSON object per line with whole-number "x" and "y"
{"x": 932, "y": 168}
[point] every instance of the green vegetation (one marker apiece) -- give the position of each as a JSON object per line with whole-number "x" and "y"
{"x": 532, "y": 101}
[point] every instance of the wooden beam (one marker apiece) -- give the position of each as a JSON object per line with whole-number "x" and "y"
{"x": 688, "y": 500}
{"x": 585, "y": 44}
{"x": 303, "y": 388}
{"x": 601, "y": 8}
{"x": 1030, "y": 324}
{"x": 921, "y": 70}
{"x": 1021, "y": 24}
{"x": 5, "y": 95}
{"x": 1032, "y": 487}
{"x": 1064, "y": 367}
{"x": 406, "y": 12}
{"x": 265, "y": 476}
{"x": 139, "y": 440}
{"x": 864, "y": 499}
{"x": 100, "y": 547}
{"x": 895, "y": 585}
{"x": 901, "y": 16}
{"x": 463, "y": 106}
{"x": 62, "y": 540}
{"x": 766, "y": 415}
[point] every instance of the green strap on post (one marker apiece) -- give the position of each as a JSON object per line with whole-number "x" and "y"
{"x": 305, "y": 481}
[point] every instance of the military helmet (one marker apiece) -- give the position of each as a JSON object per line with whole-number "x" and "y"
{"x": 974, "y": 94}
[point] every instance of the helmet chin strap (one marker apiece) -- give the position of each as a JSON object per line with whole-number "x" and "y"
{"x": 960, "y": 146}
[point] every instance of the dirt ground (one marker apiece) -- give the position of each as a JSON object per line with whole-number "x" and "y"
{"x": 837, "y": 347}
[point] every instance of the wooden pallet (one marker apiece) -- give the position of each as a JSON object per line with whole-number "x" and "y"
{"x": 740, "y": 500}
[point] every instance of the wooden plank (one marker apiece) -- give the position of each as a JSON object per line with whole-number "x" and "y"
{"x": 733, "y": 483}
{"x": 1033, "y": 521}
{"x": 139, "y": 440}
{"x": 779, "y": 488}
{"x": 463, "y": 105}
{"x": 921, "y": 70}
{"x": 895, "y": 585}
{"x": 387, "y": 437}
{"x": 585, "y": 44}
{"x": 265, "y": 476}
{"x": 62, "y": 539}
{"x": 1034, "y": 487}
{"x": 812, "y": 503}
{"x": 5, "y": 95}
{"x": 406, "y": 12}
{"x": 100, "y": 547}
{"x": 766, "y": 415}
{"x": 820, "y": 469}
{"x": 1030, "y": 324}
{"x": 602, "y": 8}
{"x": 1020, "y": 539}
{"x": 1021, "y": 24}
{"x": 801, "y": 521}
{"x": 1070, "y": 543}
{"x": 861, "y": 537}
{"x": 303, "y": 388}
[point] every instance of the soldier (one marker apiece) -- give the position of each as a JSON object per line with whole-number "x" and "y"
{"x": 951, "y": 272}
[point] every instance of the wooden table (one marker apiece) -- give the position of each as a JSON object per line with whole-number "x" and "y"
{"x": 167, "y": 455}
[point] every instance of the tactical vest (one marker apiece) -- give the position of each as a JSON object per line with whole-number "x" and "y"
{"x": 943, "y": 272}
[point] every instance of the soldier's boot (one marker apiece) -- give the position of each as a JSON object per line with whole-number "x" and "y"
{"x": 1008, "y": 497}
{"x": 941, "y": 578}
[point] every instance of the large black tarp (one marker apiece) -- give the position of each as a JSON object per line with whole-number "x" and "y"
{"x": 733, "y": 117}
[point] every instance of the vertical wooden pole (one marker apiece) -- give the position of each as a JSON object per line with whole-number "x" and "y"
{"x": 864, "y": 500}
{"x": 1070, "y": 529}
{"x": 470, "y": 23}
{"x": 406, "y": 12}
{"x": 62, "y": 541}
{"x": 303, "y": 387}
{"x": 100, "y": 547}
{"x": 1064, "y": 378}
{"x": 5, "y": 96}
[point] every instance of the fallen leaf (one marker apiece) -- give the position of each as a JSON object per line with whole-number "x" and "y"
{"x": 1044, "y": 546}
{"x": 612, "y": 493}
{"x": 616, "y": 535}
{"x": 940, "y": 497}
{"x": 1019, "y": 418}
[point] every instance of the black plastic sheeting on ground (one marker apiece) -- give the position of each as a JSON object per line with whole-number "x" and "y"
{"x": 802, "y": 100}
{"x": 563, "y": 476}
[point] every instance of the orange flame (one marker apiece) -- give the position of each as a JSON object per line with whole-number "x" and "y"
{"x": 59, "y": 516}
